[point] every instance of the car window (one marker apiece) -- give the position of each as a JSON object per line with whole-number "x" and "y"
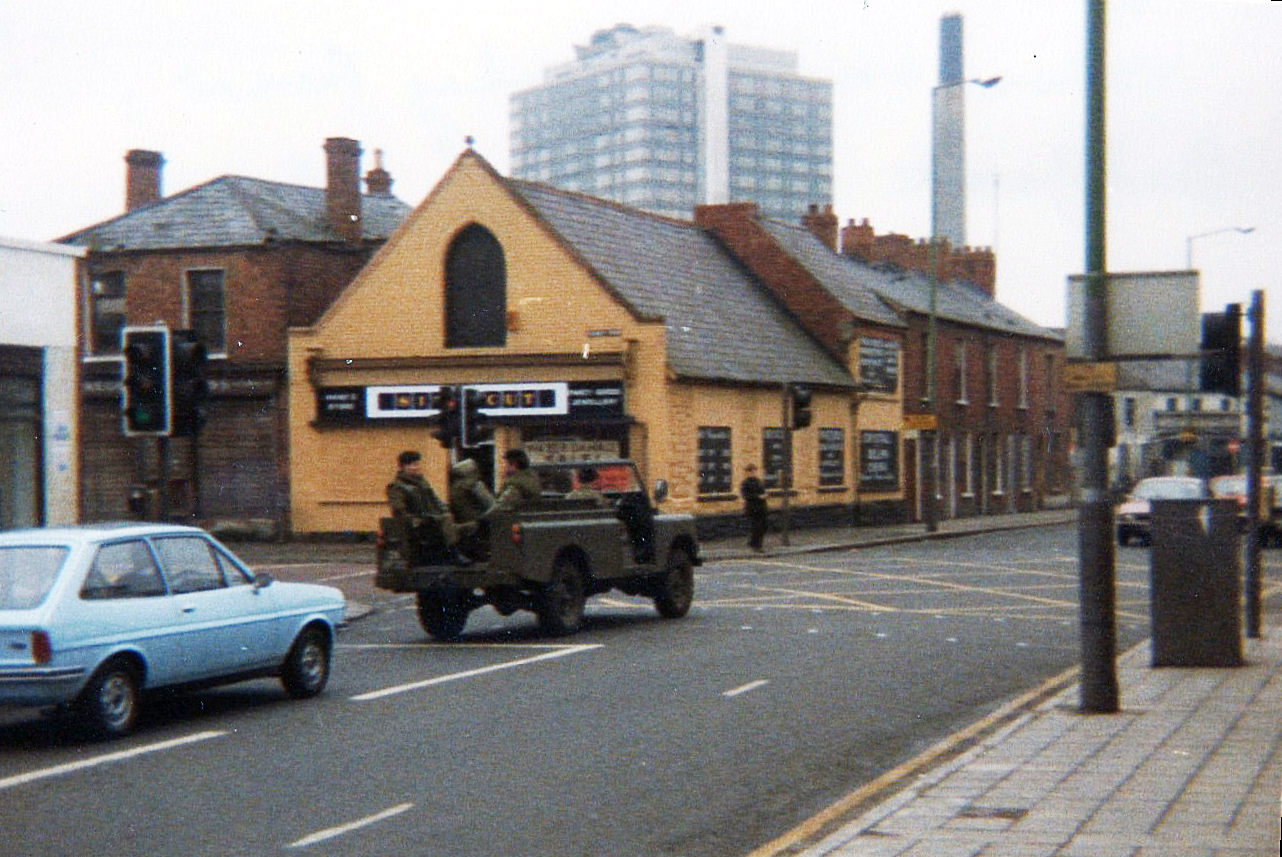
{"x": 233, "y": 573}
{"x": 123, "y": 570}
{"x": 190, "y": 564}
{"x": 27, "y": 574}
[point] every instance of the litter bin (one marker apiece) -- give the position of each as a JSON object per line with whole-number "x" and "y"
{"x": 1196, "y": 584}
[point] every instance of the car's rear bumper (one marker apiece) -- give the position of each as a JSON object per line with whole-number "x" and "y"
{"x": 39, "y": 685}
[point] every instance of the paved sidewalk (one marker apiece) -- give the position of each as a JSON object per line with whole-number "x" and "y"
{"x": 1190, "y": 767}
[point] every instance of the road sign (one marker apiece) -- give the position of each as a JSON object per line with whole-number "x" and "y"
{"x": 1090, "y": 377}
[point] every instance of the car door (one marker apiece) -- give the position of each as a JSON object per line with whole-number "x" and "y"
{"x": 123, "y": 603}
{"x": 228, "y": 619}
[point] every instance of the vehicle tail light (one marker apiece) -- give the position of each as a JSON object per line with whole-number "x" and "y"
{"x": 41, "y": 648}
{"x": 517, "y": 535}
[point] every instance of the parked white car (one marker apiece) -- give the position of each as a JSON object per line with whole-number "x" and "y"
{"x": 92, "y": 616}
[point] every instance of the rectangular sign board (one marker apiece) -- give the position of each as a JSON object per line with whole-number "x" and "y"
{"x": 1155, "y": 313}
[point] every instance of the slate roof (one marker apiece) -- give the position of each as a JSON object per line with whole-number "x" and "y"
{"x": 721, "y": 324}
{"x": 843, "y": 277}
{"x": 234, "y": 211}
{"x": 955, "y": 302}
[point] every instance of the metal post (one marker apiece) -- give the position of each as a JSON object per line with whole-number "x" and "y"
{"x": 930, "y": 437}
{"x": 1254, "y": 460}
{"x": 785, "y": 477}
{"x": 1099, "y": 692}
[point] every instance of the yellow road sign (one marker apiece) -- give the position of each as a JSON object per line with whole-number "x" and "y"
{"x": 1090, "y": 377}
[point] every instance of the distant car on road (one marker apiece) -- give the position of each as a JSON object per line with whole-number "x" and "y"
{"x": 1133, "y": 513}
{"x": 1233, "y": 487}
{"x": 92, "y": 616}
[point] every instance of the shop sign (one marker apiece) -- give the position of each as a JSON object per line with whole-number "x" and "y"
{"x": 580, "y": 400}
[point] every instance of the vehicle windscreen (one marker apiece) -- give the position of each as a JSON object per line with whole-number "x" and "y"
{"x": 27, "y": 573}
{"x": 1191, "y": 490}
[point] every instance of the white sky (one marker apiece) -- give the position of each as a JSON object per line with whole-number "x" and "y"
{"x": 254, "y": 88}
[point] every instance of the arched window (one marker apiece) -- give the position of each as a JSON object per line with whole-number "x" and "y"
{"x": 475, "y": 290}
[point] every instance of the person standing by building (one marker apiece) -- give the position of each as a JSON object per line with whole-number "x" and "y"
{"x": 753, "y": 491}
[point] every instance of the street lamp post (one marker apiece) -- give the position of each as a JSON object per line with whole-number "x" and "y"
{"x": 1188, "y": 242}
{"x": 930, "y": 454}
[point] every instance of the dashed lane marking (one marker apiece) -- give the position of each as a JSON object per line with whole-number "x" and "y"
{"x": 106, "y": 759}
{"x": 334, "y": 832}
{"x": 559, "y": 652}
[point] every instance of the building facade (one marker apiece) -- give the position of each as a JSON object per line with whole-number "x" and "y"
{"x": 39, "y": 430}
{"x": 238, "y": 260}
{"x": 662, "y": 123}
{"x": 592, "y": 330}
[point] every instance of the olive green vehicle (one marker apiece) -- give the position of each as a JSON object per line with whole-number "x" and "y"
{"x": 550, "y": 556}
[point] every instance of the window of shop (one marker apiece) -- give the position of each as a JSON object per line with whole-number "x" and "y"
{"x": 207, "y": 309}
{"x": 715, "y": 463}
{"x": 774, "y": 456}
{"x": 832, "y": 457}
{"x": 878, "y": 460}
{"x": 106, "y": 312}
{"x": 475, "y": 290}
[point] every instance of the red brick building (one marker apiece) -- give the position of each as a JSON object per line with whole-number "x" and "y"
{"x": 1003, "y": 416}
{"x": 239, "y": 260}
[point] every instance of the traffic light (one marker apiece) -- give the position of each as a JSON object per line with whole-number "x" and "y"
{"x": 476, "y": 428}
{"x": 189, "y": 389}
{"x": 447, "y": 432}
{"x": 1220, "y": 368}
{"x": 146, "y": 403}
{"x": 800, "y": 396}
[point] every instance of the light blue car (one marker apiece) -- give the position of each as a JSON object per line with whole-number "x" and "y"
{"x": 91, "y": 616}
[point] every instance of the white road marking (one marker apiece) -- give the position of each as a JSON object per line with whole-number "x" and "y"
{"x": 333, "y": 832}
{"x": 752, "y": 685}
{"x": 105, "y": 759}
{"x": 442, "y": 679}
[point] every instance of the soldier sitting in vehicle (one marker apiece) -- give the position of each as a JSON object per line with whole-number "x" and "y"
{"x": 520, "y": 485}
{"x": 588, "y": 488}
{"x": 429, "y": 524}
{"x": 470, "y": 499}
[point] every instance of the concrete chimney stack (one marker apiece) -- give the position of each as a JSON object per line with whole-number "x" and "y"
{"x": 142, "y": 178}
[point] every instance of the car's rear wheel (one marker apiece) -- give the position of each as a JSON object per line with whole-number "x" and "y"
{"x": 564, "y": 596}
{"x": 110, "y": 701}
{"x": 306, "y": 670}
{"x": 676, "y": 587}
{"x": 442, "y": 615}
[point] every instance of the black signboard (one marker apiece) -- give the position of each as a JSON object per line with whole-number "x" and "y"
{"x": 773, "y": 456}
{"x": 878, "y": 460}
{"x": 591, "y": 400}
{"x": 715, "y": 476}
{"x": 340, "y": 404}
{"x": 879, "y": 364}
{"x": 832, "y": 457}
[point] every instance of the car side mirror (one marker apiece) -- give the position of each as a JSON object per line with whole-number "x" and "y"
{"x": 262, "y": 580}
{"x": 660, "y": 490}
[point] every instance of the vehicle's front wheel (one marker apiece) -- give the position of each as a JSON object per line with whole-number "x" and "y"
{"x": 110, "y": 702}
{"x": 306, "y": 670}
{"x": 676, "y": 587}
{"x": 563, "y": 598}
{"x": 442, "y": 615}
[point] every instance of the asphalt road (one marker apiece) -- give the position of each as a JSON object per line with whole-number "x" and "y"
{"x": 792, "y": 681}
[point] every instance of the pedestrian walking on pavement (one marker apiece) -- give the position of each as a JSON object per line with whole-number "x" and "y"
{"x": 753, "y": 491}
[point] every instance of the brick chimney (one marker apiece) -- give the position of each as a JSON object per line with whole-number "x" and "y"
{"x": 142, "y": 178}
{"x": 378, "y": 181}
{"x": 343, "y": 187}
{"x": 822, "y": 224}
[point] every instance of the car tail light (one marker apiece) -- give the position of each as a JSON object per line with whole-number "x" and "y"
{"x": 517, "y": 535}
{"x": 41, "y": 648}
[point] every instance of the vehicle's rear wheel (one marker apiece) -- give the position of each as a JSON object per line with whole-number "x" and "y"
{"x": 676, "y": 586}
{"x": 442, "y": 615}
{"x": 306, "y": 670}
{"x": 563, "y": 598}
{"x": 110, "y": 702}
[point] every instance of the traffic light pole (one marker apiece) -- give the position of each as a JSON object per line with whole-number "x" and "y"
{"x": 1254, "y": 461}
{"x": 785, "y": 478}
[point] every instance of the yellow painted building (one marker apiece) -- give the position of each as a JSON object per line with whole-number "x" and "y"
{"x": 589, "y": 330}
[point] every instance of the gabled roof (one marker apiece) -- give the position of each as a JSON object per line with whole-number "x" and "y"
{"x": 955, "y": 302}
{"x": 721, "y": 324}
{"x": 843, "y": 277}
{"x": 235, "y": 211}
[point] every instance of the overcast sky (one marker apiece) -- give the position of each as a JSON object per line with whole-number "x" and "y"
{"x": 254, "y": 88}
